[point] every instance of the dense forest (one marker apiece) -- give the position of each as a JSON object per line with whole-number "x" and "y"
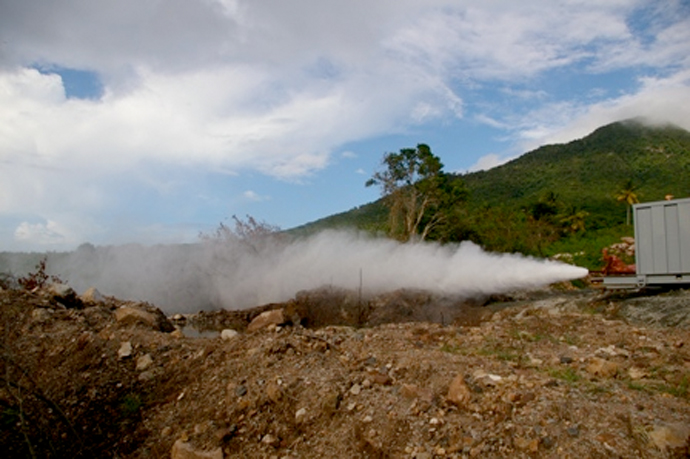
{"x": 572, "y": 198}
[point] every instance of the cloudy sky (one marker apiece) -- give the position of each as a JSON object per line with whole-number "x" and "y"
{"x": 152, "y": 120}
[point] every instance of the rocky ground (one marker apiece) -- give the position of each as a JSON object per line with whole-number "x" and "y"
{"x": 554, "y": 373}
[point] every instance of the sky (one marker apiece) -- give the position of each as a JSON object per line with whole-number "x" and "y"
{"x": 150, "y": 121}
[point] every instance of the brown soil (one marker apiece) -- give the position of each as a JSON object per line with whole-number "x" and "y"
{"x": 540, "y": 374}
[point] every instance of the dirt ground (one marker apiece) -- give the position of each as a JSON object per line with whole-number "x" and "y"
{"x": 554, "y": 373}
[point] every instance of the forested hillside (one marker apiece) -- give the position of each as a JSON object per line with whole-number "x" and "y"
{"x": 558, "y": 196}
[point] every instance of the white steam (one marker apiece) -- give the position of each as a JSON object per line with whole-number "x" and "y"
{"x": 237, "y": 274}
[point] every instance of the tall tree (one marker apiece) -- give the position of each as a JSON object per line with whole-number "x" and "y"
{"x": 416, "y": 191}
{"x": 628, "y": 195}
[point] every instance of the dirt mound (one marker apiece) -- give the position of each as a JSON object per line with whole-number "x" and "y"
{"x": 564, "y": 374}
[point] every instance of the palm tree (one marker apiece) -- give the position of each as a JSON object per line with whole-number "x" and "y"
{"x": 628, "y": 195}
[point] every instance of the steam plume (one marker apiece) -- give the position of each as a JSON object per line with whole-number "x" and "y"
{"x": 236, "y": 275}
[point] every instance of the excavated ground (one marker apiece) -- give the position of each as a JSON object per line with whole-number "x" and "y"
{"x": 541, "y": 374}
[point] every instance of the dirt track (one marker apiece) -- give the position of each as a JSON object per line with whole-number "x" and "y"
{"x": 544, "y": 374}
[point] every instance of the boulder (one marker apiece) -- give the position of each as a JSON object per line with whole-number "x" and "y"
{"x": 670, "y": 436}
{"x": 458, "y": 392}
{"x": 263, "y": 320}
{"x": 64, "y": 295}
{"x": 125, "y": 350}
{"x": 228, "y": 334}
{"x": 92, "y": 296}
{"x": 140, "y": 315}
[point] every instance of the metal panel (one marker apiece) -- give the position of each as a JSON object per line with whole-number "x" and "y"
{"x": 658, "y": 241}
{"x": 644, "y": 254}
{"x": 684, "y": 235}
{"x": 662, "y": 237}
{"x": 672, "y": 239}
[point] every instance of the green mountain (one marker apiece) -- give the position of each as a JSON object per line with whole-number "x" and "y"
{"x": 587, "y": 174}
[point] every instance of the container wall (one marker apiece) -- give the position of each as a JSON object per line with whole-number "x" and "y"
{"x": 662, "y": 237}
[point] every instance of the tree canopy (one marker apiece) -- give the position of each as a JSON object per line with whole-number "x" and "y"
{"x": 419, "y": 195}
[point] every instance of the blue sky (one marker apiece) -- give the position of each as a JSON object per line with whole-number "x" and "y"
{"x": 149, "y": 122}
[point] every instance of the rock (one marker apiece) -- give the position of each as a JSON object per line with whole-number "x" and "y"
{"x": 486, "y": 379}
{"x": 636, "y": 373}
{"x": 273, "y": 317}
{"x": 61, "y": 290}
{"x": 125, "y": 350}
{"x": 144, "y": 362}
{"x": 300, "y": 415}
{"x": 355, "y": 389}
{"x": 228, "y": 334}
{"x": 414, "y": 391}
{"x": 178, "y": 318}
{"x": 270, "y": 440}
{"x": 92, "y": 296}
{"x": 183, "y": 450}
{"x": 458, "y": 392}
{"x": 138, "y": 315}
{"x": 146, "y": 376}
{"x": 603, "y": 368}
{"x": 127, "y": 315}
{"x": 274, "y": 391}
{"x": 65, "y": 295}
{"x": 177, "y": 333}
{"x": 671, "y": 436}
{"x": 564, "y": 359}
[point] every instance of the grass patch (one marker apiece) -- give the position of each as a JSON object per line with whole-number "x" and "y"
{"x": 565, "y": 374}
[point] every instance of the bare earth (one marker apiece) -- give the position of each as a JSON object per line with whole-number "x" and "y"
{"x": 543, "y": 374}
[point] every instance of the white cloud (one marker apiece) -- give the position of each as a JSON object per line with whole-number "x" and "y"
{"x": 254, "y": 196}
{"x": 661, "y": 100}
{"x": 277, "y": 87}
{"x": 489, "y": 161}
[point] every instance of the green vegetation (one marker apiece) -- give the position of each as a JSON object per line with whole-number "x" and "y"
{"x": 420, "y": 197}
{"x": 571, "y": 199}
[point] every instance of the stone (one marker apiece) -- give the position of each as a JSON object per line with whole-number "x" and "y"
{"x": 603, "y": 368}
{"x": 65, "y": 295}
{"x": 270, "y": 440}
{"x": 263, "y": 320}
{"x": 127, "y": 315}
{"x": 183, "y": 450}
{"x": 228, "y": 334}
{"x": 144, "y": 362}
{"x": 61, "y": 290}
{"x": 355, "y": 389}
{"x": 274, "y": 391}
{"x": 636, "y": 373}
{"x": 670, "y": 436}
{"x": 92, "y": 296}
{"x": 415, "y": 392}
{"x": 144, "y": 315}
{"x": 125, "y": 350}
{"x": 300, "y": 415}
{"x": 458, "y": 392}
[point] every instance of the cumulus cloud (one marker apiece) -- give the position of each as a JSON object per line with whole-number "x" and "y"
{"x": 659, "y": 100}
{"x": 276, "y": 88}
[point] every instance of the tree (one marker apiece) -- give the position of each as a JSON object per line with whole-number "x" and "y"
{"x": 629, "y": 196}
{"x": 418, "y": 194}
{"x": 574, "y": 220}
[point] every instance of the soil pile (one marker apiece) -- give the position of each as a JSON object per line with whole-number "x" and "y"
{"x": 543, "y": 374}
